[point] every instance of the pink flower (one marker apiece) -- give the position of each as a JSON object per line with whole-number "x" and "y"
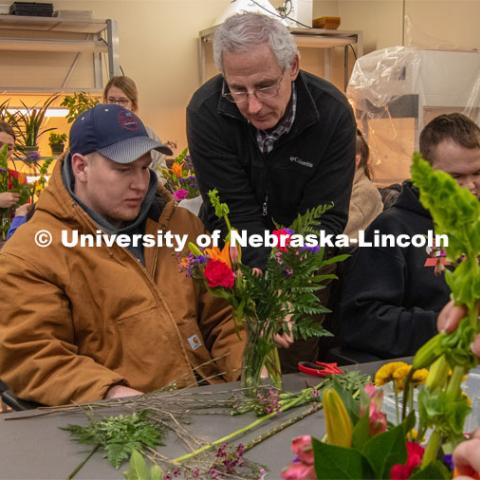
{"x": 302, "y": 467}
{"x": 414, "y": 459}
{"x": 376, "y": 418}
{"x": 180, "y": 194}
{"x": 302, "y": 448}
{"x": 299, "y": 471}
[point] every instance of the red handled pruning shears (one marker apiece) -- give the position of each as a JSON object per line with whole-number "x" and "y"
{"x": 319, "y": 369}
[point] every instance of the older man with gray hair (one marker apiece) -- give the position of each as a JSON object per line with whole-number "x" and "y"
{"x": 274, "y": 140}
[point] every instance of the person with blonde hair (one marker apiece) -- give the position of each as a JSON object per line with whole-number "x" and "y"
{"x": 123, "y": 91}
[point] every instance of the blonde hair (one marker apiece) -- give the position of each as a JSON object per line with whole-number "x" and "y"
{"x": 127, "y": 86}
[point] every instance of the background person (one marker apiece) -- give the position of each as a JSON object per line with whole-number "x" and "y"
{"x": 7, "y": 137}
{"x": 274, "y": 141}
{"x": 366, "y": 201}
{"x": 390, "y": 297}
{"x": 122, "y": 90}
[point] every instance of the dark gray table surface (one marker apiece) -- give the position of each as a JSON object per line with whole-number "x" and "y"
{"x": 36, "y": 448}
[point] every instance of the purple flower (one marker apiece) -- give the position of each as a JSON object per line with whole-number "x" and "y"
{"x": 314, "y": 249}
{"x": 448, "y": 461}
{"x": 180, "y": 194}
{"x": 32, "y": 156}
{"x": 288, "y": 272}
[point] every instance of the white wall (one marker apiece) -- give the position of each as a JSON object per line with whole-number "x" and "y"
{"x": 158, "y": 41}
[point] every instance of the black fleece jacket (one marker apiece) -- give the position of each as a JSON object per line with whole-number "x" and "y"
{"x": 390, "y": 300}
{"x": 311, "y": 165}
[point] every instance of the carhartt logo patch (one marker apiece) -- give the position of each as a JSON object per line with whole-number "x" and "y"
{"x": 301, "y": 162}
{"x": 194, "y": 342}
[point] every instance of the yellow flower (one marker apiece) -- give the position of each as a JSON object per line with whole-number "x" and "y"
{"x": 385, "y": 373}
{"x": 419, "y": 376}
{"x": 467, "y": 399}
{"x": 400, "y": 375}
{"x": 412, "y": 435}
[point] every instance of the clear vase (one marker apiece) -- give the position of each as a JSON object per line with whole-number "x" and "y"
{"x": 260, "y": 357}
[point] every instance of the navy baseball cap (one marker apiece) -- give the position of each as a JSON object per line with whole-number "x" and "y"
{"x": 114, "y": 132}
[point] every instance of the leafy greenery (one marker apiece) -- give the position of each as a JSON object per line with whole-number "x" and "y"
{"x": 29, "y": 124}
{"x": 138, "y": 469}
{"x": 434, "y": 471}
{"x": 369, "y": 457}
{"x": 77, "y": 104}
{"x": 119, "y": 435}
{"x": 332, "y": 461}
{"x": 57, "y": 139}
{"x": 455, "y": 212}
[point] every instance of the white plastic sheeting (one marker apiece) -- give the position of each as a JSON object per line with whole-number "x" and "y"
{"x": 396, "y": 91}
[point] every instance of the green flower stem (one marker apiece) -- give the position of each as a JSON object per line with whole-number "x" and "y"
{"x": 397, "y": 410}
{"x": 406, "y": 393}
{"x": 453, "y": 389}
{"x": 81, "y": 465}
{"x": 287, "y": 406}
{"x": 278, "y": 428}
{"x": 431, "y": 452}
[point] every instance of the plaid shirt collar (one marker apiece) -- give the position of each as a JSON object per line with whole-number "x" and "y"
{"x": 266, "y": 139}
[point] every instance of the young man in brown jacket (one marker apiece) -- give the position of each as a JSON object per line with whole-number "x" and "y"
{"x": 78, "y": 324}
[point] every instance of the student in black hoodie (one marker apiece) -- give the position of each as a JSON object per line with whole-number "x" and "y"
{"x": 390, "y": 299}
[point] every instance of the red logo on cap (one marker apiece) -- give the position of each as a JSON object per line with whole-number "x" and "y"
{"x": 128, "y": 121}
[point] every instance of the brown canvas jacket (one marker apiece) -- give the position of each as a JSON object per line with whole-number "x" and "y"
{"x": 74, "y": 321}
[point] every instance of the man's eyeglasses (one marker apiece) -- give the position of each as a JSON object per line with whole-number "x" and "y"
{"x": 118, "y": 101}
{"x": 261, "y": 93}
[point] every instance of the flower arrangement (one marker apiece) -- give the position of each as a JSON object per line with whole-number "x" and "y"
{"x": 360, "y": 442}
{"x": 15, "y": 181}
{"x": 280, "y": 299}
{"x": 363, "y": 444}
{"x": 10, "y": 181}
{"x": 180, "y": 177}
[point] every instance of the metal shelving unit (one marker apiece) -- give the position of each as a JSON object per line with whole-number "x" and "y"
{"x": 93, "y": 37}
{"x": 305, "y": 37}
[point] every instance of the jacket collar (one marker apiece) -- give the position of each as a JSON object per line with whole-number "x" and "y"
{"x": 57, "y": 201}
{"x": 409, "y": 199}
{"x": 307, "y": 111}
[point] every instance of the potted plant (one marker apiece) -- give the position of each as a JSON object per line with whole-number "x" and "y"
{"x": 77, "y": 104}
{"x": 29, "y": 123}
{"x": 57, "y": 142}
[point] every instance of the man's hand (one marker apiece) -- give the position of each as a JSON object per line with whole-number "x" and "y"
{"x": 121, "y": 391}
{"x": 286, "y": 339}
{"x": 7, "y": 199}
{"x": 448, "y": 320}
{"x": 466, "y": 458}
